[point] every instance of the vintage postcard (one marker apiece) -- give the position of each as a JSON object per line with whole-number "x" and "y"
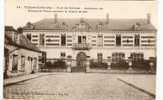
{"x": 80, "y": 50}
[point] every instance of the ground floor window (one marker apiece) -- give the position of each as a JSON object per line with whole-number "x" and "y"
{"x": 99, "y": 57}
{"x": 15, "y": 63}
{"x": 30, "y": 61}
{"x": 137, "y": 57}
{"x": 23, "y": 63}
{"x": 63, "y": 54}
{"x": 35, "y": 64}
{"x": 118, "y": 57}
{"x": 118, "y": 61}
{"x": 138, "y": 62}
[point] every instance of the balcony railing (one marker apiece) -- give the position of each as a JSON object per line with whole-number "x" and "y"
{"x": 81, "y": 46}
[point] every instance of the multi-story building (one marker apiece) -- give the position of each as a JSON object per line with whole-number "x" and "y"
{"x": 100, "y": 39}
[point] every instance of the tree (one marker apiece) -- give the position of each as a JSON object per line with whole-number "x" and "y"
{"x": 20, "y": 30}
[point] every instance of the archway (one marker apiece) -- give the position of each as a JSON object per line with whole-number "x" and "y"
{"x": 81, "y": 59}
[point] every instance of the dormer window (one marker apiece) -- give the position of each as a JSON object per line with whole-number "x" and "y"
{"x": 100, "y": 26}
{"x": 82, "y": 26}
{"x": 136, "y": 26}
{"x": 64, "y": 25}
{"x": 30, "y": 25}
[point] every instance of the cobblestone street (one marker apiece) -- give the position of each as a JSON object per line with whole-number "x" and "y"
{"x": 76, "y": 86}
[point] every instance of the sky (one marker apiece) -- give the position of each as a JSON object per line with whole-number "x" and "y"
{"x": 19, "y": 12}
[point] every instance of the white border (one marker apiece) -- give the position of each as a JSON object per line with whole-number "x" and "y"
{"x": 159, "y": 90}
{"x": 159, "y": 81}
{"x": 1, "y": 46}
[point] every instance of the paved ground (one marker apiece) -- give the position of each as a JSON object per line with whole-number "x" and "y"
{"x": 139, "y": 80}
{"x": 76, "y": 86}
{"x": 14, "y": 80}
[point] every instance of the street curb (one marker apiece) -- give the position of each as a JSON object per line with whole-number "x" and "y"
{"x": 138, "y": 88}
{"x": 23, "y": 80}
{"x": 122, "y": 73}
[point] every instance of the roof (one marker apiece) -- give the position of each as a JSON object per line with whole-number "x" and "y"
{"x": 9, "y": 28}
{"x": 113, "y": 25}
{"x": 23, "y": 42}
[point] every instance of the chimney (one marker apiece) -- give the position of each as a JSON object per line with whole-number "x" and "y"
{"x": 148, "y": 18}
{"x": 55, "y": 18}
{"x": 107, "y": 18}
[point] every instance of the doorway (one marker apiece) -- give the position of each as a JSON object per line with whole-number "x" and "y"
{"x": 81, "y": 59}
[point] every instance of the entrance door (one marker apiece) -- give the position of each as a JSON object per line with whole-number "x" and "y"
{"x": 81, "y": 62}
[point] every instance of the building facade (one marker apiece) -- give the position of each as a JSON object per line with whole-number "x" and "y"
{"x": 21, "y": 56}
{"x": 103, "y": 40}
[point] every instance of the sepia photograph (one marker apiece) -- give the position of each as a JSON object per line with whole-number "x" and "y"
{"x": 80, "y": 50}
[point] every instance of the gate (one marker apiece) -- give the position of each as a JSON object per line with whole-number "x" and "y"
{"x": 81, "y": 59}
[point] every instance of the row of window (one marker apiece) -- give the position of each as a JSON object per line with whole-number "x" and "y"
{"x": 100, "y": 35}
{"x": 32, "y": 61}
{"x": 116, "y": 57}
{"x": 136, "y": 40}
{"x": 120, "y": 56}
{"x": 83, "y": 39}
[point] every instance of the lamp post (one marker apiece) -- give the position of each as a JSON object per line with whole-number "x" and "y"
{"x": 109, "y": 63}
{"x": 151, "y": 64}
{"x": 88, "y": 64}
{"x": 69, "y": 64}
{"x": 130, "y": 63}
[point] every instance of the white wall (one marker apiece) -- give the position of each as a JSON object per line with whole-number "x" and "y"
{"x": 26, "y": 53}
{"x": 55, "y": 52}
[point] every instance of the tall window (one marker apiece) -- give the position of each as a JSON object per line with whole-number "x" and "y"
{"x": 63, "y": 54}
{"x": 137, "y": 57}
{"x": 100, "y": 27}
{"x": 118, "y": 40}
{"x": 63, "y": 40}
{"x": 79, "y": 39}
{"x": 99, "y": 57}
{"x": 84, "y": 39}
{"x": 100, "y": 40}
{"x": 15, "y": 63}
{"x": 118, "y": 57}
{"x": 42, "y": 40}
{"x": 35, "y": 64}
{"x": 22, "y": 63}
{"x": 29, "y": 36}
{"x": 137, "y": 40}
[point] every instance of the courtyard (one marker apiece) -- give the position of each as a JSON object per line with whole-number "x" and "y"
{"x": 82, "y": 86}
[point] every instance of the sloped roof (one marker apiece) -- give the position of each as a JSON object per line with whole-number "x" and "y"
{"x": 26, "y": 43}
{"x": 114, "y": 24}
{"x": 23, "y": 42}
{"x": 9, "y": 28}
